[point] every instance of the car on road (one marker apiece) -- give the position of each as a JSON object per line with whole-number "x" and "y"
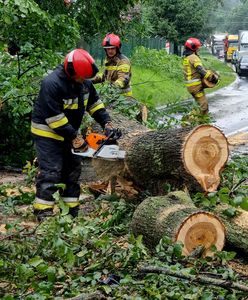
{"x": 242, "y": 66}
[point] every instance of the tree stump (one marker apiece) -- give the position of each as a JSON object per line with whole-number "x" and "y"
{"x": 175, "y": 216}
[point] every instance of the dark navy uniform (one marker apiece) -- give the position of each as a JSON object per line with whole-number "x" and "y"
{"x": 56, "y": 118}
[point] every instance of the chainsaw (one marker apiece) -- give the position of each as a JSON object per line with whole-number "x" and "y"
{"x": 102, "y": 146}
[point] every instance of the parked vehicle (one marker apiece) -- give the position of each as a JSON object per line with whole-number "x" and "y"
{"x": 242, "y": 66}
{"x": 217, "y": 45}
{"x": 230, "y": 45}
{"x": 243, "y": 40}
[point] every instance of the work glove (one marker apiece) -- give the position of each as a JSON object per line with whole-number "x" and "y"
{"x": 214, "y": 78}
{"x": 79, "y": 144}
{"x": 109, "y": 129}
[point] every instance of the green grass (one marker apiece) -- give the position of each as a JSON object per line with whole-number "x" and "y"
{"x": 155, "y": 86}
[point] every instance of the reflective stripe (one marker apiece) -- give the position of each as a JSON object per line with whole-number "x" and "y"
{"x": 208, "y": 74}
{"x": 127, "y": 93}
{"x": 70, "y": 199}
{"x": 111, "y": 68}
{"x": 123, "y": 68}
{"x": 98, "y": 105}
{"x": 120, "y": 83}
{"x": 192, "y": 80}
{"x": 45, "y": 131}
{"x": 71, "y": 106}
{"x": 41, "y": 201}
{"x": 85, "y": 102}
{"x": 70, "y": 56}
{"x": 72, "y": 204}
{"x": 41, "y": 206}
{"x": 198, "y": 95}
{"x": 193, "y": 83}
{"x": 57, "y": 121}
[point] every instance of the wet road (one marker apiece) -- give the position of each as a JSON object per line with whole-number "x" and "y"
{"x": 229, "y": 107}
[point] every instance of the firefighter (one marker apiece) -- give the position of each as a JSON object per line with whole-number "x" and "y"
{"x": 194, "y": 72}
{"x": 117, "y": 69}
{"x": 64, "y": 96}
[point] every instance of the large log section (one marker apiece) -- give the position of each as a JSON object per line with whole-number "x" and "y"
{"x": 176, "y": 217}
{"x": 179, "y": 156}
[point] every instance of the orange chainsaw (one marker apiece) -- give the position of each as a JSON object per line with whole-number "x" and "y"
{"x": 102, "y": 146}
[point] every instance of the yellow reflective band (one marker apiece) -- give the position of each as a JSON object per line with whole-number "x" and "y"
{"x": 72, "y": 204}
{"x": 127, "y": 93}
{"x": 42, "y": 206}
{"x": 85, "y": 102}
{"x": 45, "y": 133}
{"x": 120, "y": 83}
{"x": 71, "y": 106}
{"x": 207, "y": 74}
{"x": 58, "y": 123}
{"x": 124, "y": 68}
{"x": 99, "y": 106}
{"x": 193, "y": 83}
{"x": 111, "y": 68}
{"x": 198, "y": 95}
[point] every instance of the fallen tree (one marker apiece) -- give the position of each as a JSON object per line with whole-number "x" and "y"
{"x": 176, "y": 217}
{"x": 191, "y": 157}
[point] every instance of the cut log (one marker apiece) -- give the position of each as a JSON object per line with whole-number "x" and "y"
{"x": 236, "y": 227}
{"x": 191, "y": 157}
{"x": 194, "y": 156}
{"x": 181, "y": 221}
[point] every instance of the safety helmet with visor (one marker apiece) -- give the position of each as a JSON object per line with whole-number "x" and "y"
{"x": 193, "y": 44}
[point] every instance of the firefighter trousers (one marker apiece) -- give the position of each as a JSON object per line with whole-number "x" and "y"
{"x": 57, "y": 164}
{"x": 198, "y": 94}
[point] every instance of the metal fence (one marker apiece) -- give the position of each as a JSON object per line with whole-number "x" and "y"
{"x": 128, "y": 45}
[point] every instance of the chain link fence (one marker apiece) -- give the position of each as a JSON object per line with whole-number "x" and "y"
{"x": 128, "y": 45}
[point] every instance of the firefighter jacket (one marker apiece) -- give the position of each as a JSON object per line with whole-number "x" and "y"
{"x": 61, "y": 104}
{"x": 193, "y": 69}
{"x": 118, "y": 72}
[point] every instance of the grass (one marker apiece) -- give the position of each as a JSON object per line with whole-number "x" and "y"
{"x": 157, "y": 87}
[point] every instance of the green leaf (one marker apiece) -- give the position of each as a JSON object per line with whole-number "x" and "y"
{"x": 244, "y": 203}
{"x": 35, "y": 261}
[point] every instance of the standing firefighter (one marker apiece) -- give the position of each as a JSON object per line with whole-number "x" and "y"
{"x": 64, "y": 96}
{"x": 117, "y": 66}
{"x": 195, "y": 74}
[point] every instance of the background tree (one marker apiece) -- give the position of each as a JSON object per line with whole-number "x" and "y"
{"x": 181, "y": 19}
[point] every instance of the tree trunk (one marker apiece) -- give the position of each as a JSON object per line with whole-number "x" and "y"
{"x": 185, "y": 155}
{"x": 175, "y": 216}
{"x": 191, "y": 157}
{"x": 236, "y": 227}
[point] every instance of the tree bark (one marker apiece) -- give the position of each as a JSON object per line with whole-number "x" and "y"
{"x": 191, "y": 157}
{"x": 176, "y": 217}
{"x": 236, "y": 227}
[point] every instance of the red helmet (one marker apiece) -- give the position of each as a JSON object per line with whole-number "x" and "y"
{"x": 80, "y": 64}
{"x": 111, "y": 40}
{"x": 193, "y": 44}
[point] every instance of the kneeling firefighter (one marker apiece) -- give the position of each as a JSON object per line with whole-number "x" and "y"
{"x": 64, "y": 96}
{"x": 195, "y": 75}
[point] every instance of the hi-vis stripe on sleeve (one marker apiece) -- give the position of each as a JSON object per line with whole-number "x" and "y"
{"x": 70, "y": 103}
{"x": 124, "y": 68}
{"x": 45, "y": 131}
{"x": 120, "y": 83}
{"x": 57, "y": 121}
{"x": 94, "y": 107}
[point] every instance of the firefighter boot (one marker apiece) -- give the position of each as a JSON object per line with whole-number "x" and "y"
{"x": 73, "y": 211}
{"x": 41, "y": 215}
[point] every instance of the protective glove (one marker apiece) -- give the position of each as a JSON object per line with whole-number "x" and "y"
{"x": 109, "y": 129}
{"x": 214, "y": 78}
{"x": 79, "y": 144}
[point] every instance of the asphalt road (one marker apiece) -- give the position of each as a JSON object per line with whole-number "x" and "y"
{"x": 229, "y": 107}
